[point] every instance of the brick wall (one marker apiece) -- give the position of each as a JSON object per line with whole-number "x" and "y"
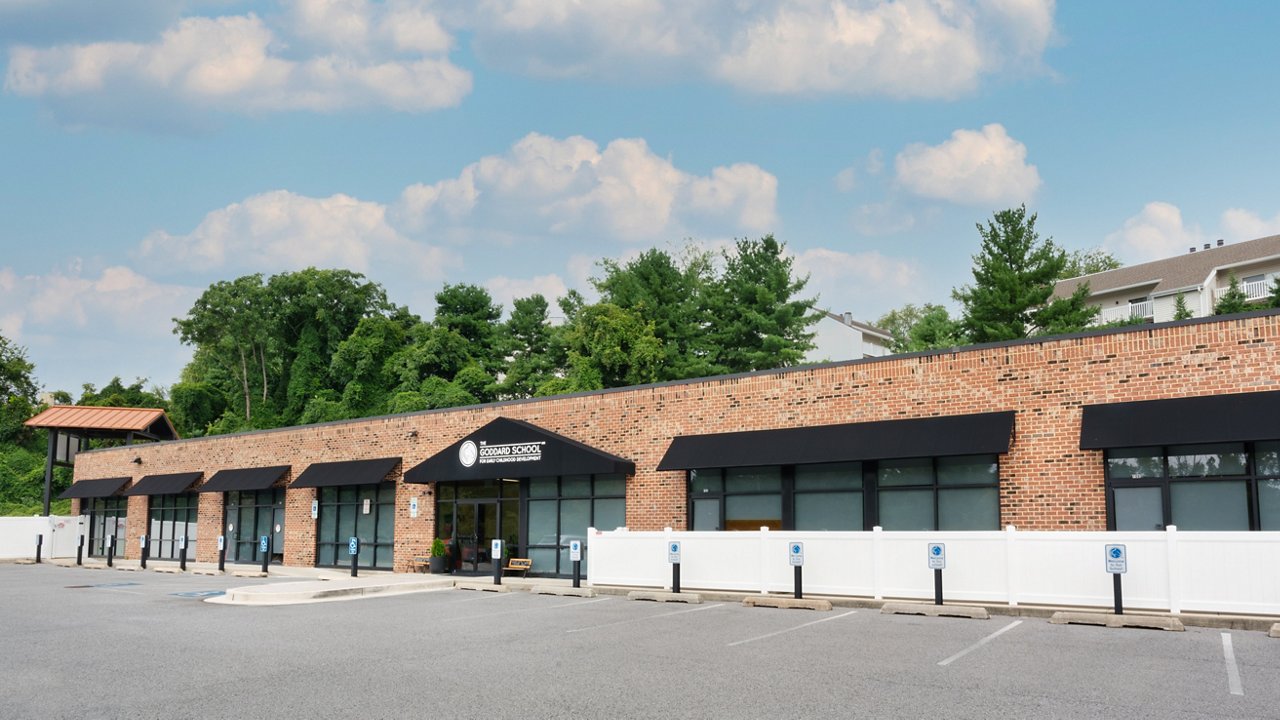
{"x": 1047, "y": 482}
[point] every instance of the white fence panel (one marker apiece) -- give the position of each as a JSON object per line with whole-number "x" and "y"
{"x": 1200, "y": 571}
{"x": 18, "y": 536}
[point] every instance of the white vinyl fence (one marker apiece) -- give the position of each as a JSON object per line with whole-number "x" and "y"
{"x": 1236, "y": 572}
{"x": 61, "y": 535}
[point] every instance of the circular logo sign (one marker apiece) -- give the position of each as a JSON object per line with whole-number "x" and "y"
{"x": 468, "y": 453}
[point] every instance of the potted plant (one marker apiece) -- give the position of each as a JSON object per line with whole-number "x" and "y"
{"x": 439, "y": 562}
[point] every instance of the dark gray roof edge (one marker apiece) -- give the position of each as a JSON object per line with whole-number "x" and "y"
{"x": 1038, "y": 340}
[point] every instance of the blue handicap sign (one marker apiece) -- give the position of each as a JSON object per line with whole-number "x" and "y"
{"x": 353, "y": 546}
{"x": 675, "y": 547}
{"x": 262, "y": 543}
{"x": 795, "y": 549}
{"x": 937, "y": 549}
{"x": 1115, "y": 552}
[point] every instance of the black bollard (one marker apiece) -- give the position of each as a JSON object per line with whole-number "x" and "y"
{"x": 222, "y": 553}
{"x": 146, "y": 547}
{"x": 39, "y": 546}
{"x": 354, "y": 549}
{"x": 111, "y": 549}
{"x": 675, "y": 578}
{"x": 265, "y": 547}
{"x": 937, "y": 587}
{"x": 182, "y": 556}
{"x": 80, "y": 551}
{"x": 799, "y": 583}
{"x": 577, "y": 573}
{"x": 1115, "y": 585}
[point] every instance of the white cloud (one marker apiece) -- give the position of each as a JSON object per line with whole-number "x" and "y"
{"x": 909, "y": 48}
{"x": 1239, "y": 224}
{"x": 547, "y": 186}
{"x": 882, "y": 219}
{"x": 1156, "y": 232}
{"x": 846, "y": 180}
{"x": 973, "y": 168}
{"x": 280, "y": 230}
{"x": 861, "y": 283}
{"x": 875, "y": 161}
{"x": 360, "y": 55}
{"x": 67, "y": 301}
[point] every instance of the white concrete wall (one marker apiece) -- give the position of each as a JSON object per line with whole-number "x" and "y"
{"x": 61, "y": 535}
{"x": 1189, "y": 571}
{"x": 1164, "y": 306}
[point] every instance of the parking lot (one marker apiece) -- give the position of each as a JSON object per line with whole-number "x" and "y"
{"x": 107, "y": 644}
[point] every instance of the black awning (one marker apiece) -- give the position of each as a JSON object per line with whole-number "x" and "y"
{"x": 507, "y": 448}
{"x": 164, "y": 484}
{"x": 243, "y": 479}
{"x": 980, "y": 434}
{"x": 106, "y": 487}
{"x": 348, "y": 472}
{"x": 1178, "y": 421}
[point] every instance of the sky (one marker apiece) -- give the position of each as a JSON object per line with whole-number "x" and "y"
{"x": 151, "y": 148}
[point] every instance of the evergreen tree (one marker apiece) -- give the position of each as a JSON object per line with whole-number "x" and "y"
{"x": 1088, "y": 262}
{"x": 469, "y": 311}
{"x": 935, "y": 329}
{"x": 1180, "y": 309}
{"x": 528, "y": 338}
{"x": 761, "y": 321}
{"x": 1234, "y": 300}
{"x": 1014, "y": 273}
{"x": 1275, "y": 293}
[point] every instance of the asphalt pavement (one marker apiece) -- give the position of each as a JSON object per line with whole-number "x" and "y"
{"x": 103, "y": 644}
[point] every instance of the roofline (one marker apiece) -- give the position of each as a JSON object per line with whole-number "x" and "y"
{"x": 1241, "y": 263}
{"x": 1132, "y": 286}
{"x": 861, "y": 326}
{"x": 1038, "y": 340}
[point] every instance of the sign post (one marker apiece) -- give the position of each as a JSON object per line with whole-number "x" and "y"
{"x": 495, "y": 557}
{"x": 673, "y": 557}
{"x": 182, "y": 553}
{"x": 222, "y": 553}
{"x": 353, "y": 548}
{"x": 1117, "y": 565}
{"x": 80, "y": 551}
{"x": 575, "y": 554}
{"x": 795, "y": 555}
{"x": 937, "y": 563}
{"x": 111, "y": 549}
{"x": 264, "y": 547}
{"x": 39, "y": 546}
{"x": 142, "y": 543}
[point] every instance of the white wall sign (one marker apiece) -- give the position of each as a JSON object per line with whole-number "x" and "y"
{"x": 413, "y": 507}
{"x": 1117, "y": 560}
{"x": 315, "y": 509}
{"x": 495, "y": 549}
{"x": 575, "y": 550}
{"x": 368, "y": 505}
{"x": 673, "y": 551}
{"x": 795, "y": 553}
{"x": 182, "y": 542}
{"x": 222, "y": 542}
{"x": 937, "y": 556}
{"x": 142, "y": 541}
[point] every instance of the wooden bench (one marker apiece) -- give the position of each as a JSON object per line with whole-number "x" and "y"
{"x": 520, "y": 565}
{"x": 420, "y": 564}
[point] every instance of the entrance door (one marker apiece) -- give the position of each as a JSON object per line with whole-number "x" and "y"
{"x": 476, "y": 527}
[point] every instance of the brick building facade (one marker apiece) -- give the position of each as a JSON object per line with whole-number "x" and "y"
{"x": 1046, "y": 481}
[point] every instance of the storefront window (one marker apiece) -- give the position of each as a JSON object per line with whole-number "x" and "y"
{"x": 561, "y": 509}
{"x": 106, "y": 518}
{"x": 945, "y": 493}
{"x": 169, "y": 518}
{"x": 252, "y": 514}
{"x": 363, "y": 511}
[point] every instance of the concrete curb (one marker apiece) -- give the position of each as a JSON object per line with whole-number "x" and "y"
{"x": 660, "y": 596}
{"x": 248, "y": 574}
{"x": 929, "y": 610}
{"x": 787, "y": 603}
{"x": 1275, "y": 631}
{"x": 303, "y": 592}
{"x": 481, "y": 586}
{"x": 564, "y": 591}
{"x": 1149, "y": 622}
{"x": 168, "y": 571}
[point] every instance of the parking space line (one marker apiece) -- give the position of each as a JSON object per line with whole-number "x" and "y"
{"x": 650, "y": 617}
{"x": 1233, "y": 671}
{"x": 981, "y": 642}
{"x": 780, "y": 632}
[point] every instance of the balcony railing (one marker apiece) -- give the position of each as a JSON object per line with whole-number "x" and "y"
{"x": 1255, "y": 290}
{"x": 1133, "y": 311}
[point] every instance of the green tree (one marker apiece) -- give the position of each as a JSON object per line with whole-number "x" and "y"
{"x": 194, "y": 406}
{"x": 935, "y": 329}
{"x": 1275, "y": 293}
{"x": 1180, "y": 309}
{"x": 528, "y": 336}
{"x": 469, "y": 311}
{"x": 761, "y": 321}
{"x": 1234, "y": 300}
{"x": 607, "y": 346}
{"x": 673, "y": 297}
{"x": 1014, "y": 273}
{"x": 1088, "y": 262}
{"x": 117, "y": 394}
{"x": 229, "y": 323}
{"x": 17, "y": 392}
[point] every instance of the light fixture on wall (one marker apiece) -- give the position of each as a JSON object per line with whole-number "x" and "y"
{"x": 137, "y": 460}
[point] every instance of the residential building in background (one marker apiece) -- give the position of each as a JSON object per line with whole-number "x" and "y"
{"x": 1149, "y": 291}
{"x": 839, "y": 337}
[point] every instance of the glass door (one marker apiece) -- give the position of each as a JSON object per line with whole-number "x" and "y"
{"x": 475, "y": 525}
